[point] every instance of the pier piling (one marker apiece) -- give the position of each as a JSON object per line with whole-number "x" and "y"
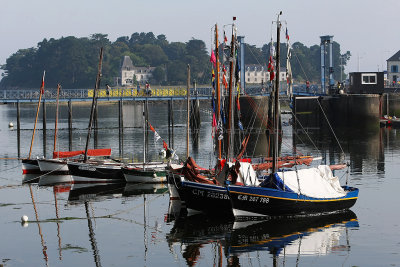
{"x": 70, "y": 124}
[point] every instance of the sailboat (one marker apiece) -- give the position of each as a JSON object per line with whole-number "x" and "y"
{"x": 92, "y": 170}
{"x": 303, "y": 191}
{"x": 202, "y": 189}
{"x": 55, "y": 164}
{"x": 146, "y": 172}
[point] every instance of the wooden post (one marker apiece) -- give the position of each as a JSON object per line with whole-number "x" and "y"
{"x": 70, "y": 124}
{"x": 387, "y": 104}
{"x": 146, "y": 117}
{"x": 56, "y": 120}
{"x": 172, "y": 122}
{"x": 95, "y": 126}
{"x": 169, "y": 122}
{"x": 44, "y": 128}
{"x": 121, "y": 128}
{"x": 19, "y": 129}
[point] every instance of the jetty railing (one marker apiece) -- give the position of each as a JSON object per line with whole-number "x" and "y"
{"x": 160, "y": 93}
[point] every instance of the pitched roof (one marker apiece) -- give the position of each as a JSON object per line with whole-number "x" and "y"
{"x": 127, "y": 63}
{"x": 395, "y": 57}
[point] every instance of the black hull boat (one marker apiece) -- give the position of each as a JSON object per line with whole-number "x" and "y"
{"x": 30, "y": 166}
{"x": 264, "y": 202}
{"x": 96, "y": 172}
{"x": 206, "y": 198}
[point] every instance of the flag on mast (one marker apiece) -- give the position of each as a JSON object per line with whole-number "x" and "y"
{"x": 213, "y": 58}
{"x": 42, "y": 85}
{"x": 271, "y": 61}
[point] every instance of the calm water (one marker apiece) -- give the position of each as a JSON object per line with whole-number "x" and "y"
{"x": 127, "y": 225}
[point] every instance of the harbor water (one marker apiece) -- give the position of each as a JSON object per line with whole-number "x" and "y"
{"x": 129, "y": 225}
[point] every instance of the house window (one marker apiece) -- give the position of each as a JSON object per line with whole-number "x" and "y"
{"x": 395, "y": 68}
{"x": 368, "y": 78}
{"x": 248, "y": 79}
{"x": 255, "y": 79}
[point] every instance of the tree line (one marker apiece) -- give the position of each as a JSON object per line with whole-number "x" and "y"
{"x": 73, "y": 61}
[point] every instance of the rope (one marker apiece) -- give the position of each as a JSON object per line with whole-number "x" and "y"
{"x": 330, "y": 126}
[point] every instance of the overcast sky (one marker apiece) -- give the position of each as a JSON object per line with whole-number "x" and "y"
{"x": 368, "y": 29}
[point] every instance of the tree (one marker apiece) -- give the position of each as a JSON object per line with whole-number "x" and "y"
{"x": 158, "y": 75}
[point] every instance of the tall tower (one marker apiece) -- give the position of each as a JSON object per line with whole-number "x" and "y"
{"x": 326, "y": 46}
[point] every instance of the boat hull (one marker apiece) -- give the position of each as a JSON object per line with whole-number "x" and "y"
{"x": 261, "y": 202}
{"x": 53, "y": 165}
{"x": 205, "y": 198}
{"x": 138, "y": 175}
{"x": 30, "y": 166}
{"x": 173, "y": 179}
{"x": 95, "y": 173}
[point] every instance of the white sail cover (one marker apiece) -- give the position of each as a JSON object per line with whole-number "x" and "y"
{"x": 247, "y": 175}
{"x": 313, "y": 182}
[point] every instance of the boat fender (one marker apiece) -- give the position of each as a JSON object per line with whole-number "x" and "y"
{"x": 154, "y": 175}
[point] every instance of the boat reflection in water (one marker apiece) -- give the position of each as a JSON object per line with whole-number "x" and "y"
{"x": 132, "y": 189}
{"x": 301, "y": 236}
{"x": 311, "y": 235}
{"x": 94, "y": 192}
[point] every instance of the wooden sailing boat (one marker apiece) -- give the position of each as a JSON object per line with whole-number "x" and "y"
{"x": 54, "y": 165}
{"x": 204, "y": 190}
{"x": 89, "y": 170}
{"x": 311, "y": 190}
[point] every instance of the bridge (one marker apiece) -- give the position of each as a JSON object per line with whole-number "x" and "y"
{"x": 116, "y": 94}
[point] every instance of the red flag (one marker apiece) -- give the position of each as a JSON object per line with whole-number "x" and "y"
{"x": 42, "y": 85}
{"x": 151, "y": 127}
{"x": 212, "y": 58}
{"x": 165, "y": 145}
{"x": 271, "y": 68}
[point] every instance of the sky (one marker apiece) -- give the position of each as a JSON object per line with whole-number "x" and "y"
{"x": 366, "y": 28}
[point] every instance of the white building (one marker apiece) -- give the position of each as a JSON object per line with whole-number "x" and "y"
{"x": 130, "y": 73}
{"x": 393, "y": 63}
{"x": 258, "y": 74}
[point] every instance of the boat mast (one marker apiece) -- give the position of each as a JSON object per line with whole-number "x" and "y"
{"x": 94, "y": 103}
{"x": 218, "y": 91}
{"x": 276, "y": 100}
{"x": 188, "y": 110}
{"x": 56, "y": 121}
{"x": 37, "y": 113}
{"x": 232, "y": 59}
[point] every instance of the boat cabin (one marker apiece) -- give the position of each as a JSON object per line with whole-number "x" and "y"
{"x": 366, "y": 83}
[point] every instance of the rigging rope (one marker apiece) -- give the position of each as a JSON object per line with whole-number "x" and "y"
{"x": 330, "y": 126}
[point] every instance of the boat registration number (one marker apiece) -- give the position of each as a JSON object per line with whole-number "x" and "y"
{"x": 86, "y": 168}
{"x": 253, "y": 199}
{"x": 209, "y": 194}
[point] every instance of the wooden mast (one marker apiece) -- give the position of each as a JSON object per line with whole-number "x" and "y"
{"x": 188, "y": 110}
{"x": 231, "y": 132}
{"x": 219, "y": 147}
{"x": 56, "y": 121}
{"x": 94, "y": 103}
{"x": 37, "y": 113}
{"x": 276, "y": 99}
